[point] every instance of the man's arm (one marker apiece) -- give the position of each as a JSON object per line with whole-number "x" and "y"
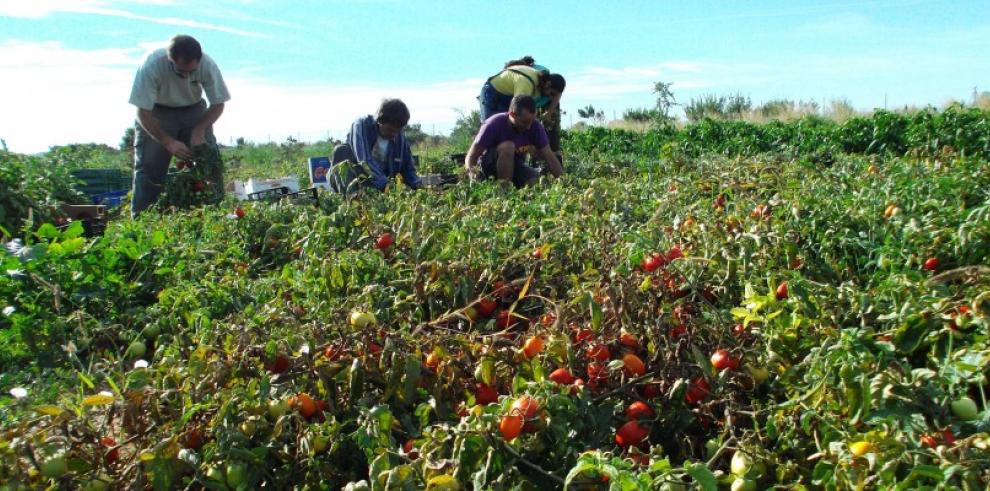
{"x": 552, "y": 163}
{"x": 471, "y": 160}
{"x": 209, "y": 117}
{"x": 409, "y": 175}
{"x": 150, "y": 124}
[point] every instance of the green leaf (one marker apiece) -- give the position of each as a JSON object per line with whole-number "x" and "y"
{"x": 702, "y": 475}
{"x": 413, "y": 374}
{"x": 74, "y": 230}
{"x": 47, "y": 231}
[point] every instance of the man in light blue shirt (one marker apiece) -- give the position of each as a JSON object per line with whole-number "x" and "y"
{"x": 172, "y": 116}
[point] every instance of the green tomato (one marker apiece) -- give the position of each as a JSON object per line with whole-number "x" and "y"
{"x": 216, "y": 475}
{"x": 236, "y": 474}
{"x": 249, "y": 427}
{"x": 320, "y": 443}
{"x": 151, "y": 331}
{"x": 361, "y": 320}
{"x": 741, "y": 464}
{"x": 711, "y": 446}
{"x": 965, "y": 409}
{"x": 99, "y": 483}
{"x": 759, "y": 374}
{"x": 136, "y": 349}
{"x": 277, "y": 408}
{"x": 741, "y": 484}
{"x": 54, "y": 467}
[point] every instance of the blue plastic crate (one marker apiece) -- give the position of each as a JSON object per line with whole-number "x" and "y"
{"x": 111, "y": 199}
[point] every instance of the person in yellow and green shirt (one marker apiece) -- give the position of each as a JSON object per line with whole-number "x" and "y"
{"x": 520, "y": 77}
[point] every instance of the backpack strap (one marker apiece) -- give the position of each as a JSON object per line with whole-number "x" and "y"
{"x": 535, "y": 86}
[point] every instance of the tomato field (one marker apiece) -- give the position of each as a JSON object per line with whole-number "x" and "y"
{"x": 722, "y": 307}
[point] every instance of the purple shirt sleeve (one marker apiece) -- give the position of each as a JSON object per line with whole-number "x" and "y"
{"x": 486, "y": 137}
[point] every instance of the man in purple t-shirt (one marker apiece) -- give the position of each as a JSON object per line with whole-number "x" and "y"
{"x": 505, "y": 139}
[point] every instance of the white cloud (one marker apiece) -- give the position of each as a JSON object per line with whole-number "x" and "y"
{"x": 36, "y": 9}
{"x": 59, "y": 95}
{"x": 596, "y": 85}
{"x": 62, "y": 95}
{"x": 261, "y": 111}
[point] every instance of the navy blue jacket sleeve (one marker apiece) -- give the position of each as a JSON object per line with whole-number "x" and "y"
{"x": 359, "y": 143}
{"x": 409, "y": 175}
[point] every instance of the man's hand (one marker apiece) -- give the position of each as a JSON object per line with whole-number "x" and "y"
{"x": 179, "y": 149}
{"x": 198, "y": 137}
{"x": 473, "y": 172}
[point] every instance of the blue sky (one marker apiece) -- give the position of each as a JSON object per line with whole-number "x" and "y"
{"x": 306, "y": 69}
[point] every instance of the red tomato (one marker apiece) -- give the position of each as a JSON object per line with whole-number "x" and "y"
{"x": 384, "y": 242}
{"x": 631, "y": 433}
{"x": 948, "y": 438}
{"x": 740, "y": 330}
{"x": 782, "y": 291}
{"x": 537, "y": 253}
{"x": 634, "y": 366}
{"x": 279, "y": 364}
{"x": 723, "y": 360}
{"x": 199, "y": 186}
{"x": 650, "y": 391}
{"x": 525, "y": 406}
{"x": 510, "y": 426}
{"x": 640, "y": 410}
{"x": 484, "y": 394}
{"x": 674, "y": 253}
{"x": 505, "y": 320}
{"x": 652, "y": 262}
{"x": 409, "y": 449}
{"x": 562, "y": 376}
{"x": 929, "y": 440}
{"x": 628, "y": 340}
{"x": 931, "y": 264}
{"x": 597, "y": 373}
{"x": 598, "y": 352}
{"x": 306, "y": 404}
{"x": 487, "y": 306}
{"x": 239, "y": 212}
{"x": 678, "y": 331}
{"x": 112, "y": 456}
{"x": 583, "y": 335}
{"x": 333, "y": 353}
{"x": 698, "y": 391}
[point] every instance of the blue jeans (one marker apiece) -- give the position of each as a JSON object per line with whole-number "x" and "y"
{"x": 492, "y": 102}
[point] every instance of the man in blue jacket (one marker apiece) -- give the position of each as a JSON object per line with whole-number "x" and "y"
{"x": 377, "y": 149}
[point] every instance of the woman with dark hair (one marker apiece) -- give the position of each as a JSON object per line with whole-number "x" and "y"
{"x": 520, "y": 77}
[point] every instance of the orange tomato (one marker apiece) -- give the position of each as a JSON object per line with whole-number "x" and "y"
{"x": 634, "y": 365}
{"x": 510, "y": 426}
{"x": 533, "y": 346}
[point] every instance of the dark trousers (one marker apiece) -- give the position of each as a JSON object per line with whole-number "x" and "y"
{"x": 151, "y": 159}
